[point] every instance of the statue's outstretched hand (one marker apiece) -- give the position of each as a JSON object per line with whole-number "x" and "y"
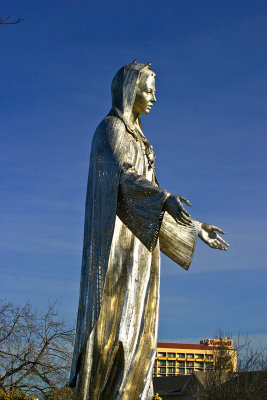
{"x": 211, "y": 238}
{"x": 173, "y": 205}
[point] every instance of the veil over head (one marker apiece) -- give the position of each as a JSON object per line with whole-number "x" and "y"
{"x": 123, "y": 90}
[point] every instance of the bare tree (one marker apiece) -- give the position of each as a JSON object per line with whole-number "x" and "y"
{"x": 35, "y": 349}
{"x": 248, "y": 381}
{"x": 7, "y": 21}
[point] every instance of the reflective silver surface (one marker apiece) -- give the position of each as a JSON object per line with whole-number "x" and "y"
{"x": 127, "y": 223}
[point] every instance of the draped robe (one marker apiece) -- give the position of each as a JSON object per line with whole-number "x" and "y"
{"x": 125, "y": 230}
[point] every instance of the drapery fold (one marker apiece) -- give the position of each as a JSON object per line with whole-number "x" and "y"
{"x": 140, "y": 206}
{"x": 177, "y": 241}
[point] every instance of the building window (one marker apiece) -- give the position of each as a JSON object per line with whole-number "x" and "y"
{"x": 162, "y": 363}
{"x": 190, "y": 364}
{"x": 190, "y": 356}
{"x": 181, "y": 364}
{"x": 171, "y": 370}
{"x": 181, "y": 355}
{"x": 209, "y": 366}
{"x": 181, "y": 371}
{"x": 201, "y": 356}
{"x": 171, "y": 363}
{"x": 199, "y": 364}
{"x": 161, "y": 354}
{"x": 162, "y": 370}
{"x": 189, "y": 371}
{"x": 209, "y": 356}
{"x": 172, "y": 355}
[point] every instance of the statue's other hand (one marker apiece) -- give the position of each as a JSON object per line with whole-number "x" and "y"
{"x": 211, "y": 238}
{"x": 173, "y": 205}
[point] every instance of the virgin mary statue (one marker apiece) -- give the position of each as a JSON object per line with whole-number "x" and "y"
{"x": 129, "y": 219}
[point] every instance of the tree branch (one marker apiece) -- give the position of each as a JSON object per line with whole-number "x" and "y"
{"x": 6, "y": 21}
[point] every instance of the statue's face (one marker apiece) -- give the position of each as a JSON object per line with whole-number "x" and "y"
{"x": 145, "y": 96}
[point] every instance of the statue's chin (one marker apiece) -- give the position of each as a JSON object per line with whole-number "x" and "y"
{"x": 147, "y": 111}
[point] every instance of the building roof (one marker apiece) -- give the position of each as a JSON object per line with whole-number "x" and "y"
{"x": 170, "y": 384}
{"x": 192, "y": 346}
{"x": 184, "y": 346}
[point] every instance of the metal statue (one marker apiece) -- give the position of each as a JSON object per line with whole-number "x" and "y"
{"x": 129, "y": 219}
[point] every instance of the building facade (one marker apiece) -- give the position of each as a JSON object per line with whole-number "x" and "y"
{"x": 185, "y": 358}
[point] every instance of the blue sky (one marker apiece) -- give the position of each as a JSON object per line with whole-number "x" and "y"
{"x": 207, "y": 128}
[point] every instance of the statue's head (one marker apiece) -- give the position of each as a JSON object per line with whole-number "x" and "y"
{"x": 133, "y": 89}
{"x": 145, "y": 92}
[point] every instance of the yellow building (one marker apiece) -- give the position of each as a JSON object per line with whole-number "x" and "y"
{"x": 185, "y": 358}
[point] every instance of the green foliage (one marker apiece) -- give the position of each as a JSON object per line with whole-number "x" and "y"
{"x": 14, "y": 395}
{"x": 60, "y": 394}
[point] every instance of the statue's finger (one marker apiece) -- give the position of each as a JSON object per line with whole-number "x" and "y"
{"x": 180, "y": 222}
{"x": 186, "y": 216}
{"x": 215, "y": 228}
{"x": 213, "y": 245}
{"x": 184, "y": 212}
{"x": 223, "y": 248}
{"x": 223, "y": 241}
{"x": 184, "y": 200}
{"x": 219, "y": 245}
{"x": 186, "y": 220}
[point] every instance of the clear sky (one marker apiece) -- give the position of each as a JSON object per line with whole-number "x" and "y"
{"x": 207, "y": 128}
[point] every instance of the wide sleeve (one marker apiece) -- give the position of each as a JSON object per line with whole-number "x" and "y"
{"x": 140, "y": 206}
{"x": 177, "y": 241}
